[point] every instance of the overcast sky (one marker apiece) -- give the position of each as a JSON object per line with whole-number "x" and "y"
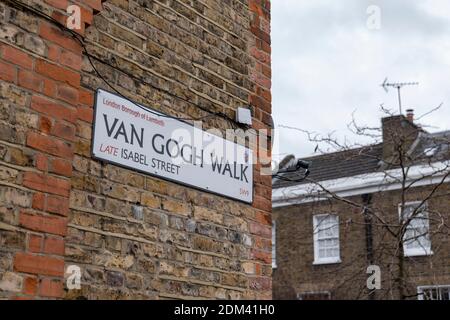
{"x": 327, "y": 63}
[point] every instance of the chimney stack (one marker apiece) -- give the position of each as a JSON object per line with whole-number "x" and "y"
{"x": 410, "y": 115}
{"x": 398, "y": 131}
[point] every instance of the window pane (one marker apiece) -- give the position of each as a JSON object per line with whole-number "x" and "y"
{"x": 322, "y": 253}
{"x": 436, "y": 293}
{"x": 327, "y": 236}
{"x": 336, "y": 252}
{"x": 445, "y": 293}
{"x": 321, "y": 234}
{"x": 407, "y": 211}
{"x": 410, "y": 208}
{"x": 424, "y": 242}
{"x": 416, "y": 236}
{"x": 329, "y": 232}
{"x": 414, "y": 223}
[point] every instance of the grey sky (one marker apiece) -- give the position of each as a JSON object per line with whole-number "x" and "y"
{"x": 327, "y": 64}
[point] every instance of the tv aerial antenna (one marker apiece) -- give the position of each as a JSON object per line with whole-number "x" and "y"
{"x": 398, "y": 86}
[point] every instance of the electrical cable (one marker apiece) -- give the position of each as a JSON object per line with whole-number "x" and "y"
{"x": 280, "y": 177}
{"x": 20, "y": 5}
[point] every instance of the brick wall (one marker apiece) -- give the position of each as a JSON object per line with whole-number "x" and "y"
{"x": 132, "y": 235}
{"x": 296, "y": 274}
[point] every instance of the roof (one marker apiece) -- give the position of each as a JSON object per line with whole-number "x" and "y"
{"x": 432, "y": 145}
{"x": 364, "y": 160}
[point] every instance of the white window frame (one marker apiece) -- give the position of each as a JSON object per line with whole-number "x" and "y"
{"x": 274, "y": 244}
{"x": 328, "y": 260}
{"x": 409, "y": 252}
{"x": 422, "y": 289}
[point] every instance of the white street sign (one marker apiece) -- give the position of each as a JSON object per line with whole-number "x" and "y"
{"x": 144, "y": 140}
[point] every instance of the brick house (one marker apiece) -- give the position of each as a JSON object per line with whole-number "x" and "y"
{"x": 347, "y": 215}
{"x": 132, "y": 235}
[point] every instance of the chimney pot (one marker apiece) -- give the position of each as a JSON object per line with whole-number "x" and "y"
{"x": 410, "y": 115}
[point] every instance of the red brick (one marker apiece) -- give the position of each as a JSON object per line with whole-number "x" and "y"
{"x": 262, "y": 203}
{"x": 54, "y": 245}
{"x": 7, "y": 72}
{"x": 259, "y": 102}
{"x": 260, "y": 229}
{"x": 64, "y": 131}
{"x": 96, "y": 5}
{"x": 52, "y": 288}
{"x": 38, "y": 201}
{"x": 86, "y": 114}
{"x": 266, "y": 118}
{"x": 68, "y": 94}
{"x": 45, "y": 183}
{"x": 42, "y": 265}
{"x": 260, "y": 55}
{"x": 30, "y": 286}
{"x": 56, "y": 110}
{"x": 263, "y": 217}
{"x": 261, "y": 80}
{"x": 265, "y": 94}
{"x": 262, "y": 190}
{"x": 262, "y": 243}
{"x": 51, "y": 203}
{"x": 87, "y": 15}
{"x": 48, "y": 224}
{"x": 49, "y": 88}
{"x": 86, "y": 97}
{"x": 17, "y": 56}
{"x": 258, "y": 125}
{"x": 260, "y": 33}
{"x": 45, "y": 124}
{"x": 263, "y": 179}
{"x": 49, "y": 145}
{"x": 255, "y": 7}
{"x": 62, "y": 167}
{"x": 71, "y": 60}
{"x": 41, "y": 162}
{"x": 30, "y": 80}
{"x": 258, "y": 269}
{"x": 59, "y": 4}
{"x": 53, "y": 34}
{"x": 35, "y": 243}
{"x": 58, "y": 205}
{"x": 53, "y": 52}
{"x": 266, "y": 47}
{"x": 267, "y": 71}
{"x": 60, "y": 17}
{"x": 58, "y": 73}
{"x": 262, "y": 256}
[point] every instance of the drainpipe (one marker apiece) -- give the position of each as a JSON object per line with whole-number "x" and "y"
{"x": 367, "y": 199}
